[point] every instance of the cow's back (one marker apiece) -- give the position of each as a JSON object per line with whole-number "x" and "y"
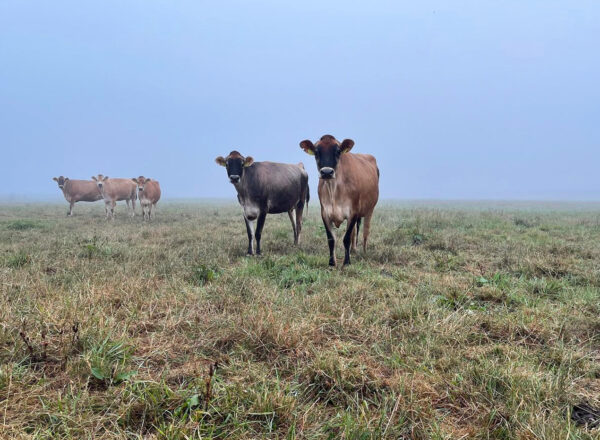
{"x": 276, "y": 187}
{"x": 119, "y": 189}
{"x": 81, "y": 191}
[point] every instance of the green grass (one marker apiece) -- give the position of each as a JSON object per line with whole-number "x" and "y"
{"x": 463, "y": 321}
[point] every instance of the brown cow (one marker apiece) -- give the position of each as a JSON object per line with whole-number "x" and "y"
{"x": 114, "y": 190}
{"x": 148, "y": 194}
{"x": 348, "y": 190}
{"x": 77, "y": 191}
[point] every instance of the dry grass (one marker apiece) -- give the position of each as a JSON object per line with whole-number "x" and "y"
{"x": 462, "y": 322}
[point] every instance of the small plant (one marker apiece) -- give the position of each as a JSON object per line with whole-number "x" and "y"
{"x": 202, "y": 274}
{"x": 22, "y": 225}
{"x": 107, "y": 361}
{"x": 18, "y": 260}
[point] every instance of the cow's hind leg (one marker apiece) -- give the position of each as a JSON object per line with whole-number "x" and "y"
{"x": 354, "y": 236}
{"x": 348, "y": 239}
{"x": 250, "y": 231}
{"x": 366, "y": 231}
{"x": 260, "y": 223}
{"x": 299, "y": 219}
{"x": 291, "y": 215}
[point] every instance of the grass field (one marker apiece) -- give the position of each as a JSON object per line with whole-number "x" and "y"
{"x": 462, "y": 321}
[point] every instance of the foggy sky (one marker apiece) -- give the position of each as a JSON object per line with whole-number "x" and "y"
{"x": 456, "y": 99}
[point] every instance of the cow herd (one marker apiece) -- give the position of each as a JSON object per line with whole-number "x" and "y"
{"x": 348, "y": 191}
{"x": 111, "y": 191}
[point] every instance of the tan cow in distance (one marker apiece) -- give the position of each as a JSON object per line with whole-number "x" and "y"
{"x": 114, "y": 190}
{"x": 148, "y": 194}
{"x": 77, "y": 191}
{"x": 348, "y": 189}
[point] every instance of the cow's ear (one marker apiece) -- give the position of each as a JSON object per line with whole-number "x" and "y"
{"x": 66, "y": 179}
{"x": 105, "y": 178}
{"x": 248, "y": 161}
{"x": 221, "y": 161}
{"x": 94, "y": 178}
{"x": 346, "y": 145}
{"x": 308, "y": 147}
{"x": 134, "y": 179}
{"x": 55, "y": 179}
{"x": 148, "y": 179}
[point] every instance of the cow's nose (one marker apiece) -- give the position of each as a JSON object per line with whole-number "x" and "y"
{"x": 234, "y": 178}
{"x": 327, "y": 172}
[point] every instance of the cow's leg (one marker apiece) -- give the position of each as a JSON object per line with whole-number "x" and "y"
{"x": 107, "y": 208}
{"x": 70, "y": 213}
{"x": 330, "y": 240}
{"x": 291, "y": 215}
{"x": 348, "y": 239}
{"x": 133, "y": 205}
{"x": 366, "y": 231}
{"x": 250, "y": 231}
{"x": 260, "y": 223}
{"x": 355, "y": 234}
{"x": 299, "y": 218}
{"x": 112, "y": 209}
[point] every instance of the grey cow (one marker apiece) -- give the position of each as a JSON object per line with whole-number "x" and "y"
{"x": 267, "y": 188}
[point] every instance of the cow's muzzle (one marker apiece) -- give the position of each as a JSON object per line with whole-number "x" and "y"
{"x": 327, "y": 173}
{"x": 234, "y": 178}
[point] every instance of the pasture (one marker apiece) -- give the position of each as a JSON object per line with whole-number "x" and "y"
{"x": 464, "y": 320}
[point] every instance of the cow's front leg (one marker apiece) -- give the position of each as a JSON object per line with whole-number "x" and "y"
{"x": 70, "y": 213}
{"x": 259, "y": 227}
{"x": 250, "y": 231}
{"x": 348, "y": 238}
{"x": 330, "y": 240}
{"x": 107, "y": 208}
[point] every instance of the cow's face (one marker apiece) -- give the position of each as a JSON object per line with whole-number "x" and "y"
{"x": 100, "y": 181}
{"x": 327, "y": 152}
{"x": 235, "y": 164}
{"x": 141, "y": 183}
{"x": 61, "y": 181}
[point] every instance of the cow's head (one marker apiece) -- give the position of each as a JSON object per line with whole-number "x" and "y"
{"x": 235, "y": 164}
{"x": 100, "y": 180}
{"x": 141, "y": 182}
{"x": 61, "y": 181}
{"x": 327, "y": 152}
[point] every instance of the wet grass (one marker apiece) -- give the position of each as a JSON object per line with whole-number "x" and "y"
{"x": 463, "y": 321}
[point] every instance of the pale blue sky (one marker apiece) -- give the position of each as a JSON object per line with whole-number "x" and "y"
{"x": 456, "y": 99}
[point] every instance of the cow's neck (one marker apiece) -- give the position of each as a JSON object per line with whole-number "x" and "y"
{"x": 240, "y": 187}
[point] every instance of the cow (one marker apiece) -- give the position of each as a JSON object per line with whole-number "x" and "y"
{"x": 148, "y": 194}
{"x": 77, "y": 191}
{"x": 348, "y": 190}
{"x": 267, "y": 188}
{"x": 114, "y": 190}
